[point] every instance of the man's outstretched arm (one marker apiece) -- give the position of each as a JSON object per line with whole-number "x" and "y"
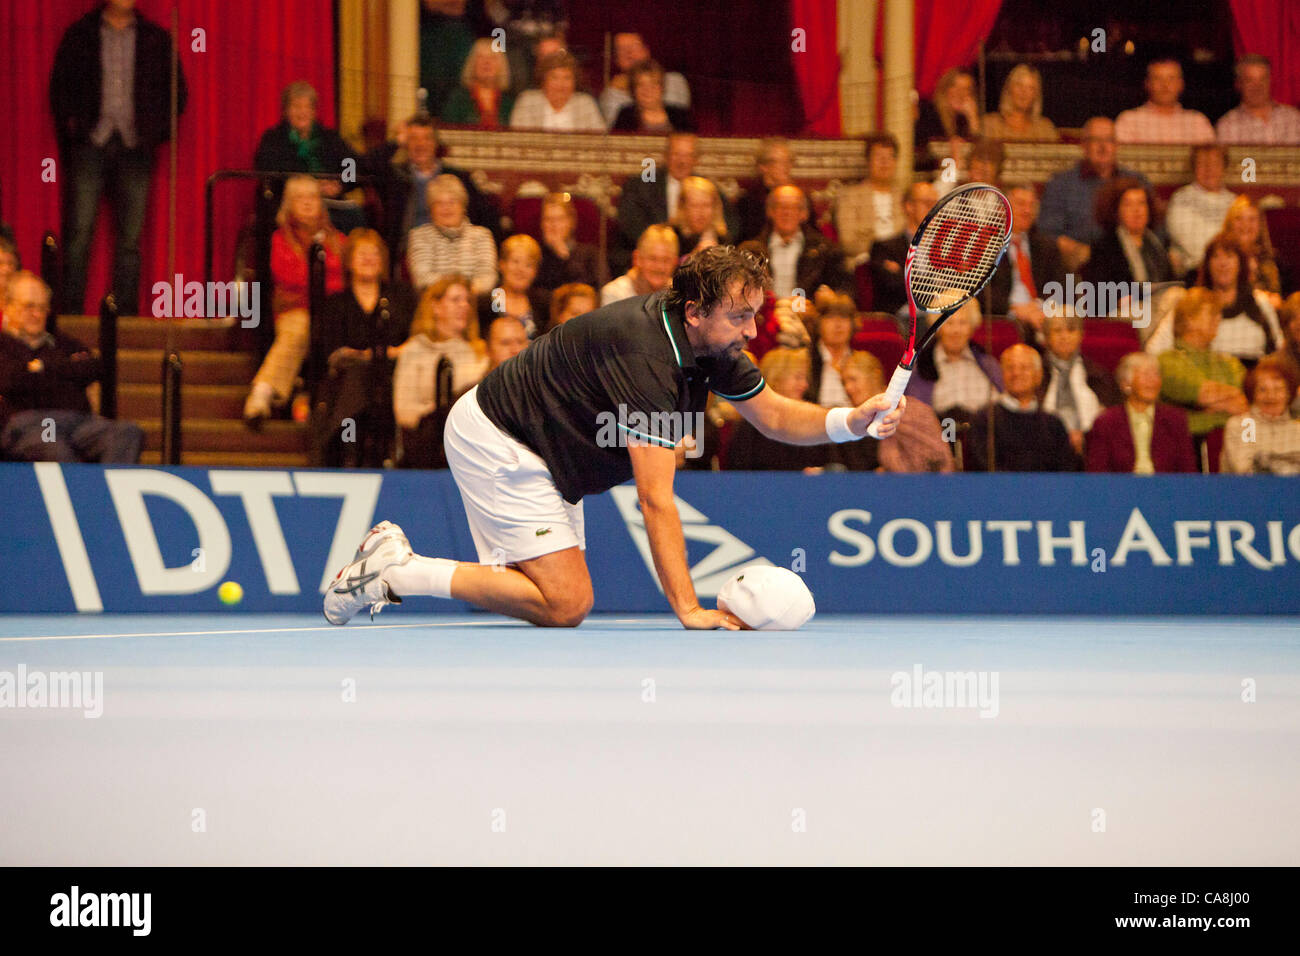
{"x": 653, "y": 468}
{"x": 803, "y": 423}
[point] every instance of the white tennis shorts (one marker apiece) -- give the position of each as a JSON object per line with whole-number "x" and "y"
{"x": 515, "y": 511}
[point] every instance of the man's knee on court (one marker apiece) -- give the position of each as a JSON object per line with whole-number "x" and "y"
{"x": 569, "y": 606}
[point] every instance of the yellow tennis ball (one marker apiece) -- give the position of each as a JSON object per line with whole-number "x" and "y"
{"x": 230, "y": 593}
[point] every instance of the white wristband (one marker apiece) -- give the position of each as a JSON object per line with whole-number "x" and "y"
{"x": 837, "y": 426}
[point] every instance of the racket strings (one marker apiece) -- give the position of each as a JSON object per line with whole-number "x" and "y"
{"x": 960, "y": 247}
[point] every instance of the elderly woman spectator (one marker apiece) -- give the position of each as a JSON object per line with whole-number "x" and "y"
{"x": 1289, "y": 353}
{"x": 572, "y": 300}
{"x": 371, "y": 314}
{"x": 564, "y": 258}
{"x": 786, "y": 372}
{"x": 917, "y": 446}
{"x": 837, "y": 320}
{"x": 648, "y": 113}
{"x": 1128, "y": 250}
{"x": 1205, "y": 383}
{"x": 1248, "y": 327}
{"x": 450, "y": 244}
{"x": 445, "y": 326}
{"x": 1142, "y": 436}
{"x": 630, "y": 50}
{"x": 301, "y": 221}
{"x": 1075, "y": 389}
{"x": 299, "y": 143}
{"x": 1020, "y": 109}
{"x": 956, "y": 378}
{"x": 557, "y": 106}
{"x": 517, "y": 296}
{"x": 1245, "y": 224}
{"x": 1265, "y": 440}
{"x": 483, "y": 97}
{"x": 699, "y": 220}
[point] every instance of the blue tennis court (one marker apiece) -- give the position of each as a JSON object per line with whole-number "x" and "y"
{"x": 430, "y": 739}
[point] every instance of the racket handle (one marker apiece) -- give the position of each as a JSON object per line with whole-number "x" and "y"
{"x": 897, "y": 385}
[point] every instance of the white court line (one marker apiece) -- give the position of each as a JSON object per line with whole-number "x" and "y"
{"x": 256, "y": 630}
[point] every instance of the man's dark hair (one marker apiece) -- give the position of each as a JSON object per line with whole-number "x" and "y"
{"x": 705, "y": 275}
{"x": 872, "y": 140}
{"x": 1106, "y": 206}
{"x": 8, "y": 245}
{"x": 1210, "y": 147}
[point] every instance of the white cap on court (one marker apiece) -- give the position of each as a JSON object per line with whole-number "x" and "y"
{"x": 768, "y": 598}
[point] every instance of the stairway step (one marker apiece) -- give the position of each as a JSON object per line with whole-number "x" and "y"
{"x": 229, "y": 459}
{"x": 202, "y": 435}
{"x": 197, "y": 401}
{"x": 145, "y": 332}
{"x": 144, "y": 367}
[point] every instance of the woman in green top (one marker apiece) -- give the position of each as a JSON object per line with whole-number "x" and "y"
{"x": 1207, "y": 384}
{"x": 481, "y": 99}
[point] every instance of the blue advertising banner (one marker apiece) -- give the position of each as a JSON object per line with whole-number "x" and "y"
{"x": 140, "y": 539}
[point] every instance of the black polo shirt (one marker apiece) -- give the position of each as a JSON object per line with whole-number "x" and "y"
{"x": 578, "y": 392}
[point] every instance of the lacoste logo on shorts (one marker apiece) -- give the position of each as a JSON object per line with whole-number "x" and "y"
{"x": 541, "y": 531}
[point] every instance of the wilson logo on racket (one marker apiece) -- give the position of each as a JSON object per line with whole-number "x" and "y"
{"x": 959, "y": 246}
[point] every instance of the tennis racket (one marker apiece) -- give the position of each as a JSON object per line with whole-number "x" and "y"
{"x": 954, "y": 253}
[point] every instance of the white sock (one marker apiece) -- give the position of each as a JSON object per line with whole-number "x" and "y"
{"x": 420, "y": 575}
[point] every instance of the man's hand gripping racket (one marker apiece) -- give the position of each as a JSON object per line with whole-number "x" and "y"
{"x": 954, "y": 252}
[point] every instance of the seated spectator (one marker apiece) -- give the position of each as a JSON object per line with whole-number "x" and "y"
{"x": 917, "y": 445}
{"x": 1245, "y": 224}
{"x": 786, "y": 373}
{"x": 44, "y": 412}
{"x": 543, "y": 42}
{"x": 446, "y": 35}
{"x": 516, "y": 296}
{"x": 449, "y": 244}
{"x": 371, "y": 313}
{"x": 774, "y": 162}
{"x": 1025, "y": 438}
{"x": 1162, "y": 119}
{"x": 1265, "y": 440}
{"x": 300, "y": 144}
{"x": 445, "y": 326}
{"x": 1259, "y": 119}
{"x": 1248, "y": 326}
{"x": 300, "y": 222}
{"x": 983, "y": 164}
{"x": 1020, "y": 109}
{"x": 873, "y": 208}
{"x": 1070, "y": 197}
{"x": 648, "y": 113}
{"x": 650, "y": 197}
{"x": 889, "y": 255}
{"x": 506, "y": 338}
{"x": 799, "y": 256}
{"x": 956, "y": 377}
{"x": 1289, "y": 354}
{"x": 630, "y": 51}
{"x": 951, "y": 115}
{"x": 1196, "y": 211}
{"x": 564, "y": 258}
{"x": 572, "y": 300}
{"x": 404, "y": 168}
{"x": 10, "y": 262}
{"x": 483, "y": 98}
{"x": 1077, "y": 388}
{"x": 556, "y": 105}
{"x": 1031, "y": 263}
{"x": 1141, "y": 436}
{"x": 698, "y": 220}
{"x": 1204, "y": 383}
{"x": 837, "y": 319}
{"x": 1127, "y": 250}
{"x": 653, "y": 263}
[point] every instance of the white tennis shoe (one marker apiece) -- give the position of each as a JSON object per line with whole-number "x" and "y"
{"x": 361, "y": 583}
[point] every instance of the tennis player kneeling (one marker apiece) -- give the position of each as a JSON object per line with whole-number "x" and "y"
{"x": 534, "y": 437}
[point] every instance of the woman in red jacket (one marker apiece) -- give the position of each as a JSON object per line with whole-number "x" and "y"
{"x": 1141, "y": 436}
{"x": 302, "y": 220}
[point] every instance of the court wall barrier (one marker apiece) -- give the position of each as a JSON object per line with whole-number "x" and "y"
{"x": 139, "y": 539}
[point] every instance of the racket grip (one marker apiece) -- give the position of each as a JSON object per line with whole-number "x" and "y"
{"x": 897, "y": 385}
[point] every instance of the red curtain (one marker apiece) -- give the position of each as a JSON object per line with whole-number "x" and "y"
{"x": 252, "y": 51}
{"x": 1271, "y": 27}
{"x": 816, "y": 59}
{"x": 948, "y": 34}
